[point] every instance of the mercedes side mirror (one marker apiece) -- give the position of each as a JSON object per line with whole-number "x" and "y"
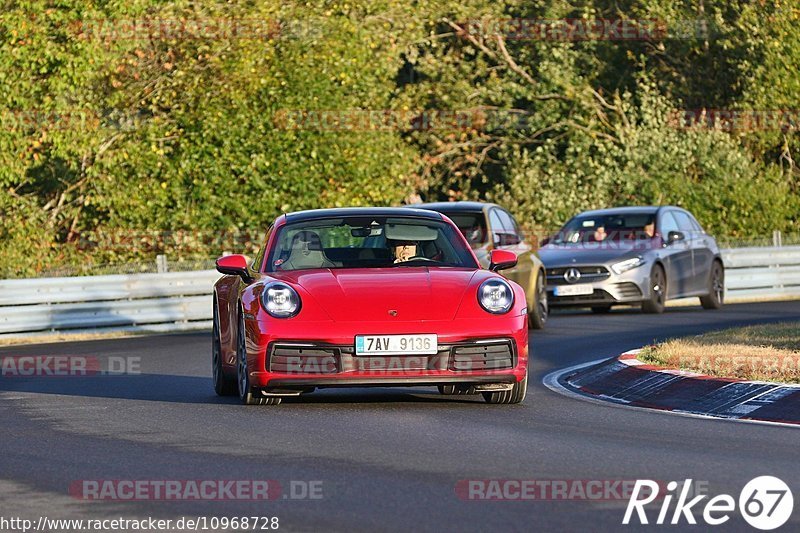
{"x": 675, "y": 236}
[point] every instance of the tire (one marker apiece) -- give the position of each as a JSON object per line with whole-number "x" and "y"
{"x": 601, "y": 309}
{"x": 657, "y": 296}
{"x": 247, "y": 394}
{"x": 223, "y": 385}
{"x": 537, "y": 318}
{"x": 515, "y": 395}
{"x": 456, "y": 390}
{"x": 716, "y": 288}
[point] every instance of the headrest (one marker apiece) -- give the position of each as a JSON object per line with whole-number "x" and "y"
{"x": 308, "y": 240}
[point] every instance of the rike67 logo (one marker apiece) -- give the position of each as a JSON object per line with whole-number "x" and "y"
{"x": 765, "y": 503}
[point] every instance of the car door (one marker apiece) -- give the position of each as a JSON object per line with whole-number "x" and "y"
{"x": 506, "y": 236}
{"x": 701, "y": 259}
{"x": 677, "y": 257}
{"x": 704, "y": 254}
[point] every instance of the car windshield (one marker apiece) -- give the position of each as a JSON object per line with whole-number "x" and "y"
{"x": 368, "y": 242}
{"x": 472, "y": 226}
{"x": 607, "y": 227}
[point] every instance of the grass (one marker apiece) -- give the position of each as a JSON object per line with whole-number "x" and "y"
{"x": 766, "y": 353}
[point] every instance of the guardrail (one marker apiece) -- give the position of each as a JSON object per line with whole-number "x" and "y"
{"x": 181, "y": 300}
{"x": 157, "y": 302}
{"x": 762, "y": 273}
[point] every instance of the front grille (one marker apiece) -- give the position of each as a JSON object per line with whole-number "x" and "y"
{"x": 555, "y": 276}
{"x": 288, "y": 358}
{"x": 628, "y": 290}
{"x": 488, "y": 356}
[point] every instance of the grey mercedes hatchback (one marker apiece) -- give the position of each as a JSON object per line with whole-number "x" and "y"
{"x": 632, "y": 255}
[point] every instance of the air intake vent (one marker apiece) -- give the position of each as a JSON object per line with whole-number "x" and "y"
{"x": 489, "y": 356}
{"x": 287, "y": 359}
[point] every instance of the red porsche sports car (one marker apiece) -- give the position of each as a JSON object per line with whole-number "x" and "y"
{"x": 368, "y": 297}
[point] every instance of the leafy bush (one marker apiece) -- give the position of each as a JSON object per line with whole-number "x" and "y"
{"x": 108, "y": 132}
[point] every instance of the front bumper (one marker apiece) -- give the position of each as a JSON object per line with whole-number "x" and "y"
{"x": 627, "y": 288}
{"x": 484, "y": 355}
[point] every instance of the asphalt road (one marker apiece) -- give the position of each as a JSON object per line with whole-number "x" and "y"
{"x": 387, "y": 459}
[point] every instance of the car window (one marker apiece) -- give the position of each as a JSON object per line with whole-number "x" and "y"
{"x": 496, "y": 226}
{"x": 684, "y": 222}
{"x": 494, "y": 221}
{"x": 368, "y": 242}
{"x": 504, "y": 228}
{"x": 506, "y": 221}
{"x": 696, "y": 224}
{"x": 510, "y": 223}
{"x": 606, "y": 226}
{"x": 258, "y": 262}
{"x": 472, "y": 226}
{"x": 667, "y": 224}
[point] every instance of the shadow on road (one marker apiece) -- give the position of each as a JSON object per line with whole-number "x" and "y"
{"x": 148, "y": 387}
{"x": 198, "y": 390}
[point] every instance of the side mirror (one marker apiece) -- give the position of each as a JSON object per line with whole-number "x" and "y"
{"x": 501, "y": 260}
{"x": 234, "y": 265}
{"x": 675, "y": 236}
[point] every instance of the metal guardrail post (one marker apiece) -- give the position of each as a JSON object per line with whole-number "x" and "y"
{"x": 161, "y": 264}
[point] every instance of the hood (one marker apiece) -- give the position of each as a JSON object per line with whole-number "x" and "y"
{"x": 556, "y": 255}
{"x": 367, "y": 294}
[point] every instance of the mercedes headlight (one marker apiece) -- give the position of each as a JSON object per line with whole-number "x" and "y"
{"x": 280, "y": 300}
{"x": 495, "y": 296}
{"x": 628, "y": 264}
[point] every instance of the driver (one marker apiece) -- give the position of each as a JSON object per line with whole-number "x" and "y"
{"x": 599, "y": 234}
{"x": 404, "y": 251}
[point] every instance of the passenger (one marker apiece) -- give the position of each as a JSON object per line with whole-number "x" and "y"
{"x": 650, "y": 229}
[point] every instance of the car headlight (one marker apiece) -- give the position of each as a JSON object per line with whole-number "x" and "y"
{"x": 280, "y": 300}
{"x": 628, "y": 264}
{"x": 496, "y": 296}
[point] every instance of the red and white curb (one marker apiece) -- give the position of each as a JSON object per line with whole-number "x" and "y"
{"x": 625, "y": 380}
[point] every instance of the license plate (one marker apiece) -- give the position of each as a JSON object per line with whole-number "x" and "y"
{"x": 573, "y": 290}
{"x": 396, "y": 344}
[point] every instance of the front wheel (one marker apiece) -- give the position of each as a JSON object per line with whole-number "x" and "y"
{"x": 716, "y": 288}
{"x": 247, "y": 394}
{"x": 515, "y": 395}
{"x": 658, "y": 292}
{"x": 538, "y": 315}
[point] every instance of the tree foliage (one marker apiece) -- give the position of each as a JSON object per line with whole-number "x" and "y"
{"x": 125, "y": 116}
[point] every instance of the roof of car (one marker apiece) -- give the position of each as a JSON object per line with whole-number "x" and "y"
{"x": 315, "y": 214}
{"x": 649, "y": 209}
{"x": 455, "y": 207}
